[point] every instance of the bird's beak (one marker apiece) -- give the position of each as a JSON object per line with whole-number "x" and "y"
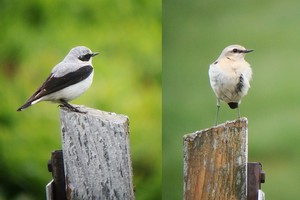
{"x": 95, "y": 53}
{"x": 248, "y": 50}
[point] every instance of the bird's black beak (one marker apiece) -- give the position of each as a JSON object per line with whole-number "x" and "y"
{"x": 248, "y": 50}
{"x": 94, "y": 54}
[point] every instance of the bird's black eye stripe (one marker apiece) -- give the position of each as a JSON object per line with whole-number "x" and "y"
{"x": 238, "y": 51}
{"x": 85, "y": 57}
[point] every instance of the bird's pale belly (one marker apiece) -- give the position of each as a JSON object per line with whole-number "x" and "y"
{"x": 228, "y": 92}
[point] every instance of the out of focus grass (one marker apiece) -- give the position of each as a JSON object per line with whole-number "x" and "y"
{"x": 35, "y": 35}
{"x": 194, "y": 34}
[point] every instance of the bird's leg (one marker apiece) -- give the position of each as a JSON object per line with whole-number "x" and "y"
{"x": 218, "y": 108}
{"x": 69, "y": 106}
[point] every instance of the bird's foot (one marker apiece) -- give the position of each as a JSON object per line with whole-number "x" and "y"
{"x": 70, "y": 107}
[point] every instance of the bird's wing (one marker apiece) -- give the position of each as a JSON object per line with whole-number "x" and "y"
{"x": 54, "y": 84}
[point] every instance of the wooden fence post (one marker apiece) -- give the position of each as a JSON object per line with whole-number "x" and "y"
{"x": 56, "y": 189}
{"x": 256, "y": 176}
{"x": 96, "y": 155}
{"x": 215, "y": 162}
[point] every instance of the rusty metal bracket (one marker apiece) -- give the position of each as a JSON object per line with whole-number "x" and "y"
{"x": 56, "y": 166}
{"x": 255, "y": 178}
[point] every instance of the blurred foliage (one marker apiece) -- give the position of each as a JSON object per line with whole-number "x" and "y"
{"x": 35, "y": 35}
{"x": 194, "y": 34}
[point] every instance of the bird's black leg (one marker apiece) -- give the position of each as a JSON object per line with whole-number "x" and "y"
{"x": 69, "y": 106}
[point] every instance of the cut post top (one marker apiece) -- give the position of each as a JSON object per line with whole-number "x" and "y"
{"x": 110, "y": 116}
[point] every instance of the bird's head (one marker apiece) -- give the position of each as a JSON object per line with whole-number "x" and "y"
{"x": 81, "y": 54}
{"x": 235, "y": 52}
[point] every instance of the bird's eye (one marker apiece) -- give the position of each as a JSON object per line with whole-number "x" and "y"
{"x": 234, "y": 50}
{"x": 85, "y": 57}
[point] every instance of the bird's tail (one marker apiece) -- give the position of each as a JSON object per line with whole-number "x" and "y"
{"x": 233, "y": 105}
{"x": 26, "y": 105}
{"x": 32, "y": 100}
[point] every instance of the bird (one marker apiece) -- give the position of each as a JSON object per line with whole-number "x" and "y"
{"x": 230, "y": 77}
{"x": 67, "y": 80}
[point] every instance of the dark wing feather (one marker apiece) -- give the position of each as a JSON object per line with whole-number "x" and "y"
{"x": 54, "y": 84}
{"x": 240, "y": 85}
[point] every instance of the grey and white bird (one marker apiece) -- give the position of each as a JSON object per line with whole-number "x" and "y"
{"x": 67, "y": 81}
{"x": 229, "y": 77}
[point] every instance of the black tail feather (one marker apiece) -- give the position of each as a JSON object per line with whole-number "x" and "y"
{"x": 26, "y": 105}
{"x": 233, "y": 105}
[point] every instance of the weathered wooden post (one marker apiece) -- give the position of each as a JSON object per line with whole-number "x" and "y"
{"x": 256, "y": 176}
{"x": 96, "y": 155}
{"x": 56, "y": 189}
{"x": 215, "y": 162}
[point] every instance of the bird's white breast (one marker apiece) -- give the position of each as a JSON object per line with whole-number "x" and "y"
{"x": 224, "y": 78}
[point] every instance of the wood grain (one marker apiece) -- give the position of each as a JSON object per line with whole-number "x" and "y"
{"x": 96, "y": 155}
{"x": 215, "y": 162}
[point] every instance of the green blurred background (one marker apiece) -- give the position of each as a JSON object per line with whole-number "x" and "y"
{"x": 194, "y": 34}
{"x": 34, "y": 36}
